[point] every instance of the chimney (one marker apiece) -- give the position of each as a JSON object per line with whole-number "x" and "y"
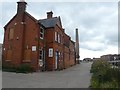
{"x": 21, "y": 8}
{"x": 49, "y": 15}
{"x": 77, "y": 46}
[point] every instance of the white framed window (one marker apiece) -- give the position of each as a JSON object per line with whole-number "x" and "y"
{"x": 41, "y": 32}
{"x": 61, "y": 39}
{"x": 41, "y": 54}
{"x": 50, "y": 52}
{"x": 41, "y": 57}
{"x": 56, "y": 36}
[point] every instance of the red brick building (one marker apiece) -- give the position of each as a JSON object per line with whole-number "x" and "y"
{"x": 38, "y": 43}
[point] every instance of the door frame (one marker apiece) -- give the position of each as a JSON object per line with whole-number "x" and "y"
{"x": 56, "y": 59}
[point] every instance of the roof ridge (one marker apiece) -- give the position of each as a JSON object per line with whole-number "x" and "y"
{"x": 31, "y": 16}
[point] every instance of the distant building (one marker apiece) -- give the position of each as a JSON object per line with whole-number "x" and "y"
{"x": 38, "y": 43}
{"x": 95, "y": 59}
{"x": 87, "y": 59}
{"x": 110, "y": 57}
{"x": 113, "y": 59}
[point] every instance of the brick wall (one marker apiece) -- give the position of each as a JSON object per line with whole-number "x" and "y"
{"x": 25, "y": 36}
{"x": 25, "y": 33}
{"x": 72, "y": 53}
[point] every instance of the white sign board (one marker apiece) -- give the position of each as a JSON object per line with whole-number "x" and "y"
{"x": 40, "y": 63}
{"x": 50, "y": 52}
{"x": 33, "y": 48}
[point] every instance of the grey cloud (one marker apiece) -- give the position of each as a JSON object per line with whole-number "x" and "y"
{"x": 93, "y": 46}
{"x": 112, "y": 39}
{"x": 97, "y": 22}
{"x": 8, "y": 11}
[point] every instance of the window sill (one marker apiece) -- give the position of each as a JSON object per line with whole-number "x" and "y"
{"x": 41, "y": 38}
{"x": 7, "y": 60}
{"x": 26, "y": 60}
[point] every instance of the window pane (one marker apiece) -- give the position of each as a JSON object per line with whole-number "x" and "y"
{"x": 59, "y": 38}
{"x": 41, "y": 54}
{"x": 41, "y": 33}
{"x": 55, "y": 36}
{"x": 41, "y": 30}
{"x": 50, "y": 52}
{"x": 40, "y": 57}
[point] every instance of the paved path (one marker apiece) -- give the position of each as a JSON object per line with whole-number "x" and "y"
{"x": 74, "y": 77}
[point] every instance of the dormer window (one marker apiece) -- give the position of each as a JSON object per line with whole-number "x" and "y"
{"x": 41, "y": 32}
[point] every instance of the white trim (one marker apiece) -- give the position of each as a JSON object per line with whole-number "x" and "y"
{"x": 33, "y": 48}
{"x": 41, "y": 28}
{"x": 50, "y": 53}
{"x": 56, "y": 36}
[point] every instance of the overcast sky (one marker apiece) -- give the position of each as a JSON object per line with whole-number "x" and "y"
{"x": 97, "y": 22}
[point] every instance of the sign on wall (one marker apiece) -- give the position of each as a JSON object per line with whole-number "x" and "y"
{"x": 50, "y": 52}
{"x": 33, "y": 48}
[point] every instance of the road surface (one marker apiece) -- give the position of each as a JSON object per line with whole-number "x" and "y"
{"x": 77, "y": 76}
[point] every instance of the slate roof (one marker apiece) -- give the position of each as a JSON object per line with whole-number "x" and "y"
{"x": 49, "y": 22}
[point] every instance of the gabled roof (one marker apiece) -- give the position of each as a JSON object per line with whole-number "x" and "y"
{"x": 50, "y": 22}
{"x": 72, "y": 41}
{"x": 16, "y": 15}
{"x": 10, "y": 21}
{"x": 31, "y": 16}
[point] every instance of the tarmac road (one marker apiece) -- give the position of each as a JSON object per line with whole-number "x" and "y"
{"x": 77, "y": 76}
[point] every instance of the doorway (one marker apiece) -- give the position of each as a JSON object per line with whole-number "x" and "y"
{"x": 56, "y": 60}
{"x": 41, "y": 63}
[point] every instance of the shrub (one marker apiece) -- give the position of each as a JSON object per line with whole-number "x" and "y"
{"x": 99, "y": 66}
{"x": 8, "y": 68}
{"x": 24, "y": 68}
{"x": 104, "y": 76}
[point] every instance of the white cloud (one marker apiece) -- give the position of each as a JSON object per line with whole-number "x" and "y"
{"x": 84, "y": 53}
{"x": 1, "y": 34}
{"x": 93, "y": 45}
{"x": 97, "y": 22}
{"x": 62, "y": 0}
